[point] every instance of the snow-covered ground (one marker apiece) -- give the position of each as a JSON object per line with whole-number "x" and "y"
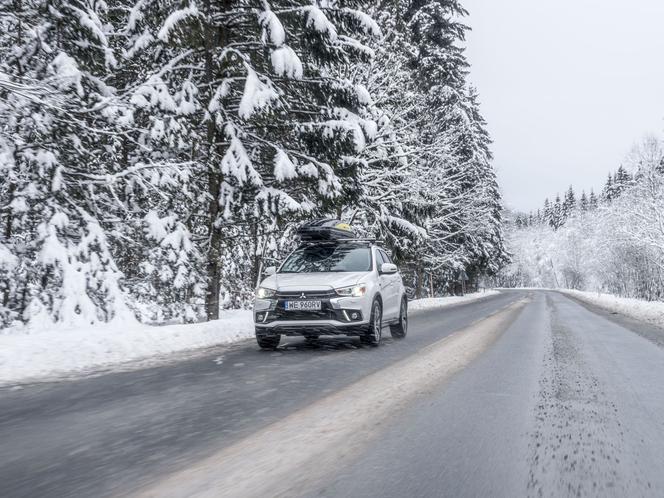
{"x": 51, "y": 353}
{"x": 646, "y": 311}
{"x": 28, "y": 355}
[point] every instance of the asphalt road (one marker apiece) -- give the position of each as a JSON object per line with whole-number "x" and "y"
{"x": 522, "y": 394}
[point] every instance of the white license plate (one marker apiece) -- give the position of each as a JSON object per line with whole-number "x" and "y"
{"x": 303, "y": 305}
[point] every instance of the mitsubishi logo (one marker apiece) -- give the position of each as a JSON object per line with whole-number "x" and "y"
{"x": 303, "y": 296}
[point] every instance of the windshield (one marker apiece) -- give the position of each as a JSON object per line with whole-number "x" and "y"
{"x": 328, "y": 258}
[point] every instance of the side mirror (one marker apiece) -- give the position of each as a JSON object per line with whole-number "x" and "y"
{"x": 269, "y": 271}
{"x": 388, "y": 269}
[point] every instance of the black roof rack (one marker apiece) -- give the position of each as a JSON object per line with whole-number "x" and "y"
{"x": 339, "y": 241}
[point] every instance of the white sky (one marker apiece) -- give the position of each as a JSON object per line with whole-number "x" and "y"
{"x": 567, "y": 86}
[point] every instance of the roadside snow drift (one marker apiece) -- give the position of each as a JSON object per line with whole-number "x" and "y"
{"x": 645, "y": 311}
{"x": 26, "y": 355}
{"x": 50, "y": 353}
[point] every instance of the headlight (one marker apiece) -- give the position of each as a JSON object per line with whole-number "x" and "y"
{"x": 352, "y": 291}
{"x": 265, "y": 293}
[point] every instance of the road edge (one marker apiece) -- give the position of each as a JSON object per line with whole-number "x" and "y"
{"x": 645, "y": 329}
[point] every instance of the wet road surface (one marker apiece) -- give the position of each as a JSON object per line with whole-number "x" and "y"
{"x": 556, "y": 399}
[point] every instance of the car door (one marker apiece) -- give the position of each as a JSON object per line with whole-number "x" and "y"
{"x": 390, "y": 289}
{"x": 383, "y": 284}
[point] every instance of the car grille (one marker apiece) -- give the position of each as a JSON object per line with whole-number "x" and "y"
{"x": 281, "y": 314}
{"x": 323, "y": 295}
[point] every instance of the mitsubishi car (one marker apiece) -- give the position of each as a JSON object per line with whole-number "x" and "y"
{"x": 332, "y": 287}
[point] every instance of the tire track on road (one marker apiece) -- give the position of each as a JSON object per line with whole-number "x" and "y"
{"x": 579, "y": 445}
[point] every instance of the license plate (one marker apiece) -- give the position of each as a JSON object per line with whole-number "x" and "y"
{"x": 303, "y": 305}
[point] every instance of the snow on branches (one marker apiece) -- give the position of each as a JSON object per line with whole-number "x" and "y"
{"x": 614, "y": 244}
{"x": 155, "y": 152}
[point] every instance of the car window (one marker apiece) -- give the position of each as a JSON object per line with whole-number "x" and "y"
{"x": 379, "y": 258}
{"x": 328, "y": 258}
{"x": 385, "y": 256}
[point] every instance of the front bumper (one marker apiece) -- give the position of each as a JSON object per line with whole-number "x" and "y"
{"x": 310, "y": 328}
{"x": 338, "y": 316}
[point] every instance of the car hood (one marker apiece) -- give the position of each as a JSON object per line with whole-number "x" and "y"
{"x": 312, "y": 281}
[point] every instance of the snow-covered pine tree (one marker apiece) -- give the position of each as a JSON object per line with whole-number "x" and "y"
{"x": 569, "y": 203}
{"x": 621, "y": 181}
{"x": 486, "y": 246}
{"x": 168, "y": 147}
{"x": 608, "y": 192}
{"x": 56, "y": 151}
{"x": 593, "y": 202}
{"x": 547, "y": 213}
{"x": 454, "y": 159}
{"x": 557, "y": 219}
{"x": 583, "y": 202}
{"x": 390, "y": 206}
{"x": 246, "y": 92}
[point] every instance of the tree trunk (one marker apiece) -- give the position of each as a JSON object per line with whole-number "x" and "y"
{"x": 213, "y": 255}
{"x": 213, "y": 37}
{"x": 257, "y": 256}
{"x": 418, "y": 286}
{"x": 10, "y": 217}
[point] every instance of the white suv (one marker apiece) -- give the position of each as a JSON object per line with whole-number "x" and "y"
{"x": 337, "y": 287}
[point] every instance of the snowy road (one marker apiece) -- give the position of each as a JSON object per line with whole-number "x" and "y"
{"x": 526, "y": 393}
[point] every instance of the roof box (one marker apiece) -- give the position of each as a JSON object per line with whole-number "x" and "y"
{"x": 325, "y": 229}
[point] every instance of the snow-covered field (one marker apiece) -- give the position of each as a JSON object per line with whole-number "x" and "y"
{"x": 28, "y": 355}
{"x": 646, "y": 311}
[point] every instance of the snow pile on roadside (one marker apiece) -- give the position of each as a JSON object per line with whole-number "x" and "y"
{"x": 441, "y": 302}
{"x": 646, "y": 311}
{"x": 50, "y": 353}
{"x": 29, "y": 355}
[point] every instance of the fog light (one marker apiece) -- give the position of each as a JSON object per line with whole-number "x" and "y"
{"x": 354, "y": 316}
{"x": 259, "y": 317}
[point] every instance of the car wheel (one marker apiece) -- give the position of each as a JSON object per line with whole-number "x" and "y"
{"x": 268, "y": 341}
{"x": 373, "y": 335}
{"x": 400, "y": 329}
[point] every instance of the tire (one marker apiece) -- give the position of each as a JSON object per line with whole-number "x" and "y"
{"x": 268, "y": 341}
{"x": 375, "y": 332}
{"x": 400, "y": 329}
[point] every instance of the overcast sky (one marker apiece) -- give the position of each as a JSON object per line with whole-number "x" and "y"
{"x": 567, "y": 86}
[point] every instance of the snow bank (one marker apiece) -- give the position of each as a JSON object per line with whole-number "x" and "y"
{"x": 26, "y": 355}
{"x": 441, "y": 302}
{"x": 646, "y": 311}
{"x": 51, "y": 353}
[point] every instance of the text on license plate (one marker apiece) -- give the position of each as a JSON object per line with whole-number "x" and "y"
{"x": 303, "y": 305}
